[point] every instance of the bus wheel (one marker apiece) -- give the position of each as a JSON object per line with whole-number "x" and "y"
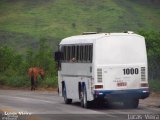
{"x": 132, "y": 103}
{"x": 84, "y": 102}
{"x": 66, "y": 100}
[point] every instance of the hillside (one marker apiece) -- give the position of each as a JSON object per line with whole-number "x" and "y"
{"x": 24, "y": 22}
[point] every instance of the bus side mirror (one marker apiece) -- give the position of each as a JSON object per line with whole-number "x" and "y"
{"x": 58, "y": 56}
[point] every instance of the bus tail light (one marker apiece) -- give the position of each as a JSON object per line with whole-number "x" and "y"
{"x": 98, "y": 86}
{"x": 144, "y": 85}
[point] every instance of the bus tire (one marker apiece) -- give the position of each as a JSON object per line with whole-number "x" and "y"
{"x": 84, "y": 102}
{"x": 132, "y": 103}
{"x": 66, "y": 100}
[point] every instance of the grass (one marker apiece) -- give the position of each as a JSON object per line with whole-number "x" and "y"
{"x": 56, "y": 19}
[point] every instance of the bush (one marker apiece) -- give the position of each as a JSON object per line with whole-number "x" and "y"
{"x": 153, "y": 53}
{"x": 154, "y": 85}
{"x": 18, "y": 81}
{"x": 14, "y": 67}
{"x": 3, "y": 79}
{"x": 48, "y": 82}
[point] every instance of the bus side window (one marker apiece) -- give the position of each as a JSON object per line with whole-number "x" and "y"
{"x": 90, "y": 53}
{"x": 86, "y": 53}
{"x": 77, "y": 55}
{"x": 72, "y": 54}
{"x": 68, "y": 53}
{"x": 80, "y": 53}
{"x": 62, "y": 50}
{"x": 65, "y": 58}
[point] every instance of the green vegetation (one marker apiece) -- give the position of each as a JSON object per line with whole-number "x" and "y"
{"x": 154, "y": 85}
{"x": 14, "y": 67}
{"x": 153, "y": 51}
{"x": 31, "y": 30}
{"x": 24, "y": 22}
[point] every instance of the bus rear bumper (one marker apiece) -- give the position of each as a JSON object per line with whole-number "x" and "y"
{"x": 121, "y": 94}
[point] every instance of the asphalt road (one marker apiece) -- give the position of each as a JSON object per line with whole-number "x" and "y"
{"x": 44, "y": 105}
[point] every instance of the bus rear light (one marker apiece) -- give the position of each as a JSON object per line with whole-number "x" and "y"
{"x": 98, "y": 86}
{"x": 144, "y": 85}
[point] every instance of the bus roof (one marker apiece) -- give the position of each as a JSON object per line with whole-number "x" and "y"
{"x": 89, "y": 38}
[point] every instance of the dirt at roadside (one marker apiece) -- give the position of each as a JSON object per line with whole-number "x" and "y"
{"x": 152, "y": 101}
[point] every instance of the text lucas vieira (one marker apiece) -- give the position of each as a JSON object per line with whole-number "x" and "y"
{"x": 144, "y": 117}
{"x": 17, "y": 113}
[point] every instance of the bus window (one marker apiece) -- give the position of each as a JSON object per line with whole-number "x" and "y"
{"x": 68, "y": 52}
{"x": 62, "y": 50}
{"x": 72, "y": 54}
{"x": 73, "y": 51}
{"x": 77, "y": 55}
{"x": 85, "y": 53}
{"x": 81, "y": 53}
{"x": 90, "y": 53}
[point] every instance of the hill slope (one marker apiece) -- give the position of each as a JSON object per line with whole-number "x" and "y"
{"x": 24, "y": 22}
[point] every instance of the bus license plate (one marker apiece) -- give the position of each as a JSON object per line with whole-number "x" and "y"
{"x": 122, "y": 84}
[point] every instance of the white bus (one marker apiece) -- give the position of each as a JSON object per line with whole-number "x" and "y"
{"x": 104, "y": 66}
